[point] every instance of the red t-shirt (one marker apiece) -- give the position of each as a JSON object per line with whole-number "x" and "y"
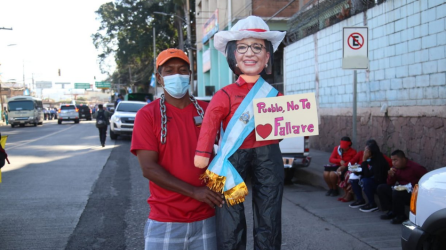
{"x": 221, "y": 109}
{"x": 335, "y": 158}
{"x": 176, "y": 156}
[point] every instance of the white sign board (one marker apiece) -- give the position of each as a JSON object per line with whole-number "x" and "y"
{"x": 285, "y": 117}
{"x": 44, "y": 84}
{"x": 355, "y": 46}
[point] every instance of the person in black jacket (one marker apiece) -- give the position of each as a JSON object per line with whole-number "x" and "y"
{"x": 374, "y": 172}
{"x": 104, "y": 116}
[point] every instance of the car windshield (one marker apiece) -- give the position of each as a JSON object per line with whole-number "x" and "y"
{"x": 21, "y": 105}
{"x": 130, "y": 107}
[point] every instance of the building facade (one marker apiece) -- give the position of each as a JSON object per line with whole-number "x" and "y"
{"x": 213, "y": 71}
{"x": 401, "y": 97}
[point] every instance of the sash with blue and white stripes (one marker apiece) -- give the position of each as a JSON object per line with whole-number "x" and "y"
{"x": 221, "y": 176}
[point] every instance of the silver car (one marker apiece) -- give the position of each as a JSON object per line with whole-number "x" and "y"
{"x": 123, "y": 118}
{"x": 68, "y": 112}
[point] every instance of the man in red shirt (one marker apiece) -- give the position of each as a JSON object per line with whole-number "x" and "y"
{"x": 404, "y": 171}
{"x": 339, "y": 160}
{"x": 164, "y": 140}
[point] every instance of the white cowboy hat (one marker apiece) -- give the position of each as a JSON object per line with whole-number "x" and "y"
{"x": 250, "y": 27}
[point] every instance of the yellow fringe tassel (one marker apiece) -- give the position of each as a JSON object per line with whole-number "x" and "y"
{"x": 236, "y": 194}
{"x": 213, "y": 181}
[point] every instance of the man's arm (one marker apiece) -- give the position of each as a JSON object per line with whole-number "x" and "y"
{"x": 148, "y": 160}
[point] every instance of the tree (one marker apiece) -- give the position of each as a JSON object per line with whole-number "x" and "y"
{"x": 126, "y": 33}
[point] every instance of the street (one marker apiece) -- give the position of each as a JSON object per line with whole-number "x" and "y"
{"x": 64, "y": 191}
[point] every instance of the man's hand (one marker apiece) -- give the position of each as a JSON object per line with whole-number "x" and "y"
{"x": 201, "y": 161}
{"x": 204, "y": 194}
{"x": 342, "y": 163}
{"x": 391, "y": 172}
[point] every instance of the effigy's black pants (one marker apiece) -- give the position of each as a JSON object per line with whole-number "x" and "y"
{"x": 265, "y": 167}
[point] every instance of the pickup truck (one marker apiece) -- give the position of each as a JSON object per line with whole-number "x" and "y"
{"x": 295, "y": 154}
{"x": 426, "y": 227}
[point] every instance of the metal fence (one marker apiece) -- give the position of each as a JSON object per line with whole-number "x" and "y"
{"x": 316, "y": 15}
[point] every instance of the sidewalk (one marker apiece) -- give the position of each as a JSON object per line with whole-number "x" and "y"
{"x": 313, "y": 174}
{"x": 365, "y": 227}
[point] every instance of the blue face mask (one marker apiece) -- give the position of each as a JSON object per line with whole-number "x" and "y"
{"x": 176, "y": 85}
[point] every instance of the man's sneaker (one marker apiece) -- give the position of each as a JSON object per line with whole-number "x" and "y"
{"x": 368, "y": 208}
{"x": 389, "y": 215}
{"x": 357, "y": 203}
{"x": 328, "y": 193}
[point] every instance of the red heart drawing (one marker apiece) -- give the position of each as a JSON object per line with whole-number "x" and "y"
{"x": 264, "y": 130}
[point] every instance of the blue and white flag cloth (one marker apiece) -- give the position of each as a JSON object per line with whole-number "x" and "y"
{"x": 221, "y": 176}
{"x": 152, "y": 80}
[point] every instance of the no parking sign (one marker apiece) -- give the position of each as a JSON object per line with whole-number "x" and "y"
{"x": 355, "y": 48}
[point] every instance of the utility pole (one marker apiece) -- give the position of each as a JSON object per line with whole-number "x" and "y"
{"x": 154, "y": 61}
{"x": 1, "y": 97}
{"x": 189, "y": 48}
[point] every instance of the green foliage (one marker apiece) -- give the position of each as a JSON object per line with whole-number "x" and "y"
{"x": 126, "y": 32}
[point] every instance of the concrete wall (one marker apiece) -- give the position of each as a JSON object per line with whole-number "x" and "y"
{"x": 407, "y": 73}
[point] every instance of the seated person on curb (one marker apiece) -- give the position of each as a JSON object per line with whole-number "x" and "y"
{"x": 344, "y": 176}
{"x": 404, "y": 171}
{"x": 339, "y": 159}
{"x": 374, "y": 172}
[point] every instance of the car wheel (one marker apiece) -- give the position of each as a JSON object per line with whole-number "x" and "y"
{"x": 12, "y": 125}
{"x": 59, "y": 122}
{"x": 76, "y": 121}
{"x": 22, "y": 125}
{"x": 113, "y": 136}
{"x": 435, "y": 242}
{"x": 289, "y": 174}
{"x": 35, "y": 124}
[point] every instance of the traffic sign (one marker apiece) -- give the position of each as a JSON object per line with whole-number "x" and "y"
{"x": 103, "y": 85}
{"x": 43, "y": 84}
{"x": 78, "y": 85}
{"x": 355, "y": 48}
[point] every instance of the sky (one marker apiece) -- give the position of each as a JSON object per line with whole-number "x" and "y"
{"x": 49, "y": 35}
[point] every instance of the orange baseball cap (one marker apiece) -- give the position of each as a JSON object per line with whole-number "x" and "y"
{"x": 167, "y": 54}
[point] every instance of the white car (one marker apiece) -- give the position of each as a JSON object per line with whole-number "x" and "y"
{"x": 123, "y": 118}
{"x": 426, "y": 227}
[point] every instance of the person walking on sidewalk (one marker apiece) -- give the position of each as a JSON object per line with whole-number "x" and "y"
{"x": 5, "y": 115}
{"x": 102, "y": 121}
{"x": 404, "y": 172}
{"x": 374, "y": 172}
{"x": 339, "y": 159}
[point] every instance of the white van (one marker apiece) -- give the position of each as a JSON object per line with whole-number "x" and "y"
{"x": 24, "y": 110}
{"x": 426, "y": 227}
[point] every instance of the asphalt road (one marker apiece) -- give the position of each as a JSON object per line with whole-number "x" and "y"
{"x": 64, "y": 191}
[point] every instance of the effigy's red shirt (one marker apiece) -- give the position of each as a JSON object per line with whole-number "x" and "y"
{"x": 176, "y": 156}
{"x": 221, "y": 109}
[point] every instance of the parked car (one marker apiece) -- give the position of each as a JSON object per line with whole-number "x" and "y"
{"x": 426, "y": 227}
{"x": 84, "y": 112}
{"x": 68, "y": 112}
{"x": 295, "y": 154}
{"x": 123, "y": 119}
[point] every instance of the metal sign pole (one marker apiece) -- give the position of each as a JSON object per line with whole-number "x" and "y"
{"x": 355, "y": 94}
